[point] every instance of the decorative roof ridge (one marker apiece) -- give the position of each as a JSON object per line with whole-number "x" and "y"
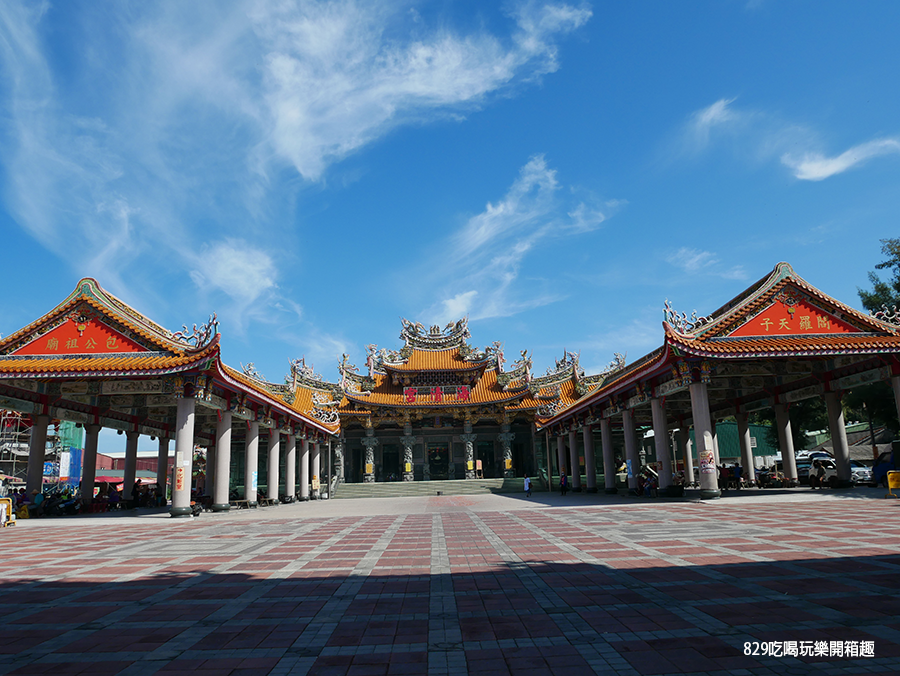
{"x": 454, "y": 334}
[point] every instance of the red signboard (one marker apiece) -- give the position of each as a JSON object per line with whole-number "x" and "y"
{"x": 798, "y": 319}
{"x": 462, "y": 393}
{"x": 73, "y": 337}
{"x": 410, "y": 393}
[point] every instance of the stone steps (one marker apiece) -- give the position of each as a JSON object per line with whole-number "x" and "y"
{"x": 401, "y": 489}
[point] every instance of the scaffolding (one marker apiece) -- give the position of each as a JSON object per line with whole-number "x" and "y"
{"x": 15, "y": 437}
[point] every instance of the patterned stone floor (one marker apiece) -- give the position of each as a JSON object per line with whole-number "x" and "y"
{"x": 448, "y": 586}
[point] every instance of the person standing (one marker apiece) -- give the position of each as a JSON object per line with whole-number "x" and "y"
{"x": 527, "y": 487}
{"x": 563, "y": 484}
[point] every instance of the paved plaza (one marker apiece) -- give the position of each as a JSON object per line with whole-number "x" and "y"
{"x": 452, "y": 585}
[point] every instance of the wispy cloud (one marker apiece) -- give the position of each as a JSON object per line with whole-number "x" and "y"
{"x": 480, "y": 274}
{"x": 699, "y": 262}
{"x": 213, "y": 116}
{"x": 706, "y": 119}
{"x": 813, "y": 166}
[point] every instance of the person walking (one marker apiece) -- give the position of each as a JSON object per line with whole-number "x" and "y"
{"x": 563, "y": 484}
{"x": 527, "y": 487}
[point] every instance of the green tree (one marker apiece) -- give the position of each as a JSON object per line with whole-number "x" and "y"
{"x": 875, "y": 401}
{"x": 884, "y": 293}
{"x": 808, "y": 415}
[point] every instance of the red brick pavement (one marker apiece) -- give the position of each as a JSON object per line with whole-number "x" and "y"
{"x": 668, "y": 588}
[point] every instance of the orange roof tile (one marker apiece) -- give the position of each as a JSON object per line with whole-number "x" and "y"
{"x": 152, "y": 363}
{"x": 436, "y": 360}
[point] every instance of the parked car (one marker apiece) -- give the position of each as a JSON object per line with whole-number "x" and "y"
{"x": 862, "y": 474}
{"x": 886, "y": 461}
{"x": 830, "y": 478}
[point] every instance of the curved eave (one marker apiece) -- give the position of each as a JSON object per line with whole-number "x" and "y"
{"x": 647, "y": 364}
{"x": 241, "y": 382}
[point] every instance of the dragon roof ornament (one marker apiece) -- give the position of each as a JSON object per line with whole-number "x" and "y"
{"x": 415, "y": 335}
{"x": 888, "y": 315}
{"x": 198, "y": 337}
{"x": 681, "y": 322}
{"x": 304, "y": 374}
{"x": 250, "y": 371}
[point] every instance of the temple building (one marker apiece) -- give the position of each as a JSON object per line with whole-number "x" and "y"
{"x": 438, "y": 408}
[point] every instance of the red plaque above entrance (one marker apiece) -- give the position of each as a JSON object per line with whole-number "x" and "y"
{"x": 80, "y": 337}
{"x": 792, "y": 319}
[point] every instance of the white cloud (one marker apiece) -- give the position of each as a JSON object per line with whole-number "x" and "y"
{"x": 700, "y": 262}
{"x": 813, "y": 166}
{"x": 487, "y": 254}
{"x": 195, "y": 120}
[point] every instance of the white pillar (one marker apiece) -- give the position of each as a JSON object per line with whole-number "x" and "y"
{"x": 37, "y": 448}
{"x": 162, "y": 468}
{"x": 839, "y": 439}
{"x": 661, "y": 442}
{"x": 251, "y": 464}
{"x": 315, "y": 467}
{"x": 290, "y": 467}
{"x": 609, "y": 458}
{"x": 743, "y": 429}
{"x": 209, "y": 481}
{"x": 184, "y": 457}
{"x": 632, "y": 458}
{"x": 304, "y": 469}
{"x": 272, "y": 478}
{"x": 590, "y": 464}
{"x": 684, "y": 436}
{"x": 703, "y": 435}
{"x": 785, "y": 441}
{"x": 221, "y": 501}
{"x": 574, "y": 461}
{"x": 131, "y": 447}
{"x": 89, "y": 463}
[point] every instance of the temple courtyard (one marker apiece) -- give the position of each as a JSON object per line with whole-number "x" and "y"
{"x": 759, "y": 582}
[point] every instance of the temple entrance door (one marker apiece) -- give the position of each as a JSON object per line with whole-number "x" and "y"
{"x": 391, "y": 461}
{"x": 485, "y": 453}
{"x": 355, "y": 466}
{"x": 439, "y": 460}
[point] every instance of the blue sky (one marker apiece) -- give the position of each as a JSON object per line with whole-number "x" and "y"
{"x": 313, "y": 171}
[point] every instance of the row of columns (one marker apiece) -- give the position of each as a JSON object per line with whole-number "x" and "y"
{"x": 705, "y": 438}
{"x": 218, "y": 461}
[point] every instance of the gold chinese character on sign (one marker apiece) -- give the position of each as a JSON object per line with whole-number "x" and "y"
{"x": 52, "y": 344}
{"x": 783, "y": 324}
{"x": 111, "y": 343}
{"x": 805, "y": 323}
{"x": 71, "y": 342}
{"x": 823, "y": 322}
{"x": 91, "y": 344}
{"x": 766, "y": 323}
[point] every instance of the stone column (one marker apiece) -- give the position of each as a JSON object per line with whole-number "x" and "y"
{"x": 561, "y": 454}
{"x": 290, "y": 467}
{"x": 684, "y": 436}
{"x": 370, "y": 442}
{"x": 469, "y": 440}
{"x": 549, "y": 460}
{"x": 408, "y": 441}
{"x": 339, "y": 460}
{"x": 315, "y": 468}
{"x": 839, "y": 439}
{"x": 574, "y": 461}
{"x": 162, "y": 468}
{"x": 89, "y": 463}
{"x": 210, "y": 481}
{"x": 715, "y": 436}
{"x": 590, "y": 465}
{"x": 220, "y": 500}
{"x": 609, "y": 458}
{"x": 631, "y": 451}
{"x": 706, "y": 453}
{"x": 661, "y": 442}
{"x": 251, "y": 464}
{"x": 131, "y": 447}
{"x": 743, "y": 429}
{"x": 37, "y": 448}
{"x": 506, "y": 438}
{"x": 272, "y": 478}
{"x": 304, "y": 469}
{"x": 184, "y": 457}
{"x": 785, "y": 441}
